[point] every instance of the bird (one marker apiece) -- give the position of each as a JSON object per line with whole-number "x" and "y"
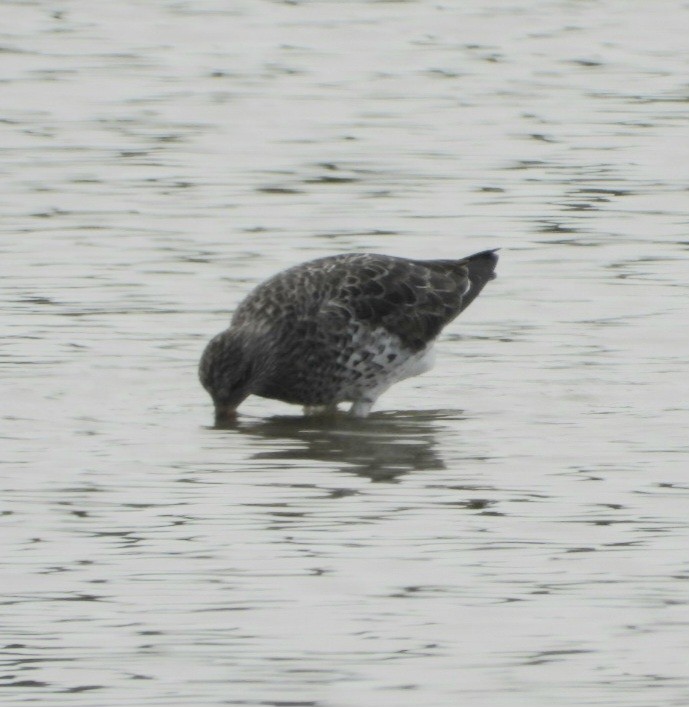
{"x": 338, "y": 329}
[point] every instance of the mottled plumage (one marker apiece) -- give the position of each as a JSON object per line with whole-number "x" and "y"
{"x": 339, "y": 329}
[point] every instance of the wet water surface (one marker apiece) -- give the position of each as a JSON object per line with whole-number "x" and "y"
{"x": 508, "y": 529}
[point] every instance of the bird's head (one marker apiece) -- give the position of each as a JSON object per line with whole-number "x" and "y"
{"x": 227, "y": 371}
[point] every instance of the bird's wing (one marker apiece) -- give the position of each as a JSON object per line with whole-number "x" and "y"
{"x": 411, "y": 299}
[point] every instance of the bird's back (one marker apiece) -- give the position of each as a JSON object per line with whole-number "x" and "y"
{"x": 342, "y": 323}
{"x": 412, "y": 299}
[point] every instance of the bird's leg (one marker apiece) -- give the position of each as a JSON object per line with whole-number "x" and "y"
{"x": 361, "y": 408}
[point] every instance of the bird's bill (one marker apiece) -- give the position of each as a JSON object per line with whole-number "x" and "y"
{"x": 225, "y": 414}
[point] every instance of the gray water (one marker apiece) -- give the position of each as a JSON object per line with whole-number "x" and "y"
{"x": 511, "y": 528}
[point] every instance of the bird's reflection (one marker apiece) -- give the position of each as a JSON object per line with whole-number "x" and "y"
{"x": 382, "y": 447}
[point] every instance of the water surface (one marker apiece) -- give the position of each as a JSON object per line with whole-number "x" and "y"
{"x": 509, "y": 529}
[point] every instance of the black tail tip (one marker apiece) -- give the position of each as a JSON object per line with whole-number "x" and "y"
{"x": 491, "y": 255}
{"x": 483, "y": 264}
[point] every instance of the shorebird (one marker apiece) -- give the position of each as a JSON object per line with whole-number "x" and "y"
{"x": 338, "y": 329}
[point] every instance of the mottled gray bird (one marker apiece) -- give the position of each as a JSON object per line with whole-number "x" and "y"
{"x": 339, "y": 329}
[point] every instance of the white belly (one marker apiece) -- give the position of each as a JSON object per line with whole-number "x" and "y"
{"x": 380, "y": 361}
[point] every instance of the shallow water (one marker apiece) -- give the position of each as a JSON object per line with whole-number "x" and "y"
{"x": 509, "y": 529}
